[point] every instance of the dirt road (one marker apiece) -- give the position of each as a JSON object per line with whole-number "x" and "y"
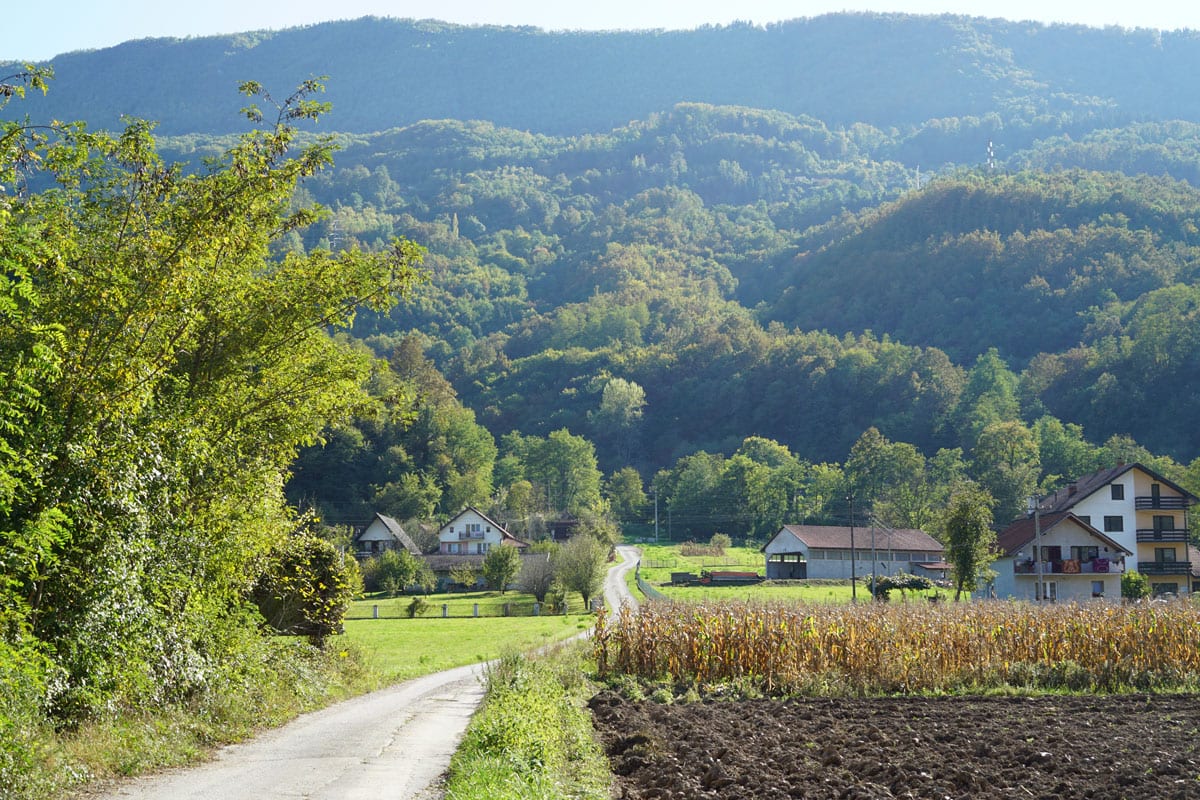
{"x": 393, "y": 744}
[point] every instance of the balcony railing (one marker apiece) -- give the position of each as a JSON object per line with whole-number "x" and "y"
{"x": 1164, "y": 567}
{"x": 1172, "y": 535}
{"x": 472, "y": 535}
{"x": 1097, "y": 566}
{"x": 1168, "y": 503}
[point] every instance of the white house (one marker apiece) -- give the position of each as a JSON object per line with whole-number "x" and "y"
{"x": 466, "y": 540}
{"x": 1142, "y": 513}
{"x": 471, "y": 532}
{"x": 824, "y": 551}
{"x": 384, "y": 533}
{"x": 1078, "y": 562}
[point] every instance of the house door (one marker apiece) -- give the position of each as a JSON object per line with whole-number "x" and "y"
{"x": 1049, "y": 591}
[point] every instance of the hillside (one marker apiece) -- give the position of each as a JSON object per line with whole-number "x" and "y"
{"x": 880, "y": 69}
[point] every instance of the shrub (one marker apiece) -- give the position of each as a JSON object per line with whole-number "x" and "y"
{"x": 306, "y": 588}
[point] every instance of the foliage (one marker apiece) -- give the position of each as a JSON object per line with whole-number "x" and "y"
{"x": 161, "y": 367}
{"x": 1134, "y": 585}
{"x": 393, "y": 571}
{"x": 306, "y": 587}
{"x": 904, "y": 647}
{"x": 500, "y": 566}
{"x": 463, "y": 574}
{"x": 579, "y": 566}
{"x": 966, "y": 532}
{"x": 902, "y": 581}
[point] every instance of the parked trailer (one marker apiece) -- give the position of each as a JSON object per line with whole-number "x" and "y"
{"x": 728, "y": 578}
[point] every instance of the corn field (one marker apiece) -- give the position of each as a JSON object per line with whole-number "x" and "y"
{"x": 878, "y": 647}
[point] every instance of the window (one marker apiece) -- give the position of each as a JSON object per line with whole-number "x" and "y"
{"x": 1164, "y": 522}
{"x": 1049, "y": 591}
{"x": 1097, "y": 588}
{"x": 1084, "y": 553}
{"x": 1159, "y": 589}
{"x": 1114, "y": 524}
{"x": 1118, "y": 491}
{"x": 1086, "y": 519}
{"x": 1164, "y": 555}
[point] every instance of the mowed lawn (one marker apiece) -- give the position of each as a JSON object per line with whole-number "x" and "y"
{"x": 399, "y": 649}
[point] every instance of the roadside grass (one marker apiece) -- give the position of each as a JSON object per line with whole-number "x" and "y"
{"x": 532, "y": 738}
{"x": 289, "y": 678}
{"x": 399, "y": 649}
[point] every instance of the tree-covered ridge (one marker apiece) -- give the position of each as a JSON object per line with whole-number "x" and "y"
{"x": 1029, "y": 259}
{"x": 882, "y": 69}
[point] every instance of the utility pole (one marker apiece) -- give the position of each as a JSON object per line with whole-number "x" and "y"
{"x": 1040, "y": 592}
{"x": 654, "y": 491}
{"x": 853, "y": 553}
{"x": 874, "y": 558}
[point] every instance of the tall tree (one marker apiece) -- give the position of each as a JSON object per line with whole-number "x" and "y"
{"x": 968, "y": 536}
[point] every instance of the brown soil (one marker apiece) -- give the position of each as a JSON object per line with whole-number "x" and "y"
{"x": 1129, "y": 747}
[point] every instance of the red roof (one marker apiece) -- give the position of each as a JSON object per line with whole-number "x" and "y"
{"x": 1023, "y": 531}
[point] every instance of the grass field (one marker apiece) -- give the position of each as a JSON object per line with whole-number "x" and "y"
{"x": 399, "y": 649}
{"x": 659, "y": 561}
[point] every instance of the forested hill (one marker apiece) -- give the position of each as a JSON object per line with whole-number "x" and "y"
{"x": 881, "y": 69}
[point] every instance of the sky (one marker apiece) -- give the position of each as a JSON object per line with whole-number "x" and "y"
{"x": 30, "y": 31}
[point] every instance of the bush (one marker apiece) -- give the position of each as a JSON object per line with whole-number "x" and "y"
{"x": 306, "y": 588}
{"x": 1134, "y": 586}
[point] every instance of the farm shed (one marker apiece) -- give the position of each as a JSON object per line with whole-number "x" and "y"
{"x": 824, "y": 551}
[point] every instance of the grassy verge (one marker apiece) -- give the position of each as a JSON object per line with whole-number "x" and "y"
{"x": 399, "y": 649}
{"x": 288, "y": 678}
{"x": 532, "y": 739}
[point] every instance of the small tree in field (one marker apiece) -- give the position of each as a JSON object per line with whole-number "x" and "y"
{"x": 537, "y": 576}
{"x": 306, "y": 588}
{"x": 501, "y": 565}
{"x": 579, "y": 566}
{"x": 968, "y": 536}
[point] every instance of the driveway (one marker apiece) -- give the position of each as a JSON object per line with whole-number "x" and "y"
{"x": 392, "y": 744}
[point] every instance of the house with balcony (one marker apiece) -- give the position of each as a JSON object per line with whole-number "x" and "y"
{"x": 1057, "y": 556}
{"x": 466, "y": 540}
{"x": 1129, "y": 509}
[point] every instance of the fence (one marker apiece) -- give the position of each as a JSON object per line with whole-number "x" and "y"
{"x": 399, "y": 609}
{"x": 649, "y": 591}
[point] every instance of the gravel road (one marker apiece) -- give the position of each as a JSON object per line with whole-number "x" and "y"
{"x": 393, "y": 744}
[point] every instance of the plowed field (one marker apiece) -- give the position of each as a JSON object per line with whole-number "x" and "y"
{"x": 1110, "y": 748}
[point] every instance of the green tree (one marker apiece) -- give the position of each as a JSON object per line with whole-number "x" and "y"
{"x": 1005, "y": 461}
{"x": 563, "y": 466}
{"x": 500, "y": 566}
{"x": 1134, "y": 586}
{"x": 177, "y": 365}
{"x": 967, "y": 534}
{"x": 579, "y": 566}
{"x": 625, "y": 495}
